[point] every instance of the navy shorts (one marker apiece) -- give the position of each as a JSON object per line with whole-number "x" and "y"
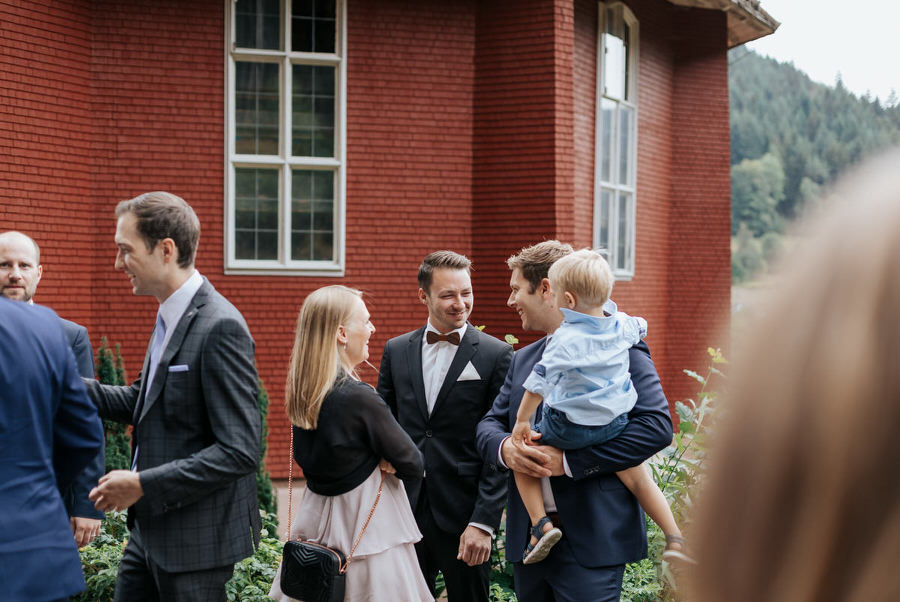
{"x": 560, "y": 432}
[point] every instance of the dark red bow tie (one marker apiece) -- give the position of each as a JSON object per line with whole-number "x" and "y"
{"x": 431, "y": 337}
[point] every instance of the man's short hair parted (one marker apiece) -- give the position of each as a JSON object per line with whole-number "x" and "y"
{"x": 441, "y": 259}
{"x": 535, "y": 261}
{"x": 164, "y": 215}
{"x": 585, "y": 274}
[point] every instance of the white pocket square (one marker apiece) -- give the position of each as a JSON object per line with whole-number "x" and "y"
{"x": 470, "y": 373}
{"x": 178, "y": 368}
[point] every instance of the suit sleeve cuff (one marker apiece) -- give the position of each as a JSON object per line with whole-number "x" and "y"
{"x": 500, "y": 454}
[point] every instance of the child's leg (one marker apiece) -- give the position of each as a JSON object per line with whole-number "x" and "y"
{"x": 530, "y": 492}
{"x": 639, "y": 481}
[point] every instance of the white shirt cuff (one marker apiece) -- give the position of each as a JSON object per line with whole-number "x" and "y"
{"x": 484, "y": 528}
{"x": 500, "y": 453}
{"x": 566, "y": 468}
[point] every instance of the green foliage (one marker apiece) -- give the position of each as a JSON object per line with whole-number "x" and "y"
{"x": 815, "y": 131}
{"x": 747, "y": 256}
{"x": 111, "y": 371}
{"x": 100, "y": 559}
{"x": 757, "y": 189}
{"x": 501, "y": 571}
{"x": 253, "y": 576}
{"x": 511, "y": 339}
{"x": 265, "y": 493}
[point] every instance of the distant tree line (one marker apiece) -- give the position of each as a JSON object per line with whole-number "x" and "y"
{"x": 790, "y": 138}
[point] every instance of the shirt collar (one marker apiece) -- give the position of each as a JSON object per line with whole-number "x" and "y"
{"x": 174, "y": 307}
{"x": 573, "y": 317}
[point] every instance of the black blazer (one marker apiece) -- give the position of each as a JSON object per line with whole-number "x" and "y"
{"x": 459, "y": 487}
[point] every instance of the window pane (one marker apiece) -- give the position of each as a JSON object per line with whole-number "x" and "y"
{"x": 258, "y": 24}
{"x": 313, "y": 111}
{"x": 623, "y": 244}
{"x": 313, "y": 26}
{"x": 603, "y": 211}
{"x": 607, "y": 127}
{"x": 256, "y": 108}
{"x": 626, "y": 140}
{"x": 256, "y": 213}
{"x": 312, "y": 215}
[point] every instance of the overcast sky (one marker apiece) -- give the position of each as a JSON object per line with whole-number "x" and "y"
{"x": 859, "y": 39}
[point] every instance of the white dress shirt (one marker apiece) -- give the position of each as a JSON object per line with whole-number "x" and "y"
{"x": 436, "y": 360}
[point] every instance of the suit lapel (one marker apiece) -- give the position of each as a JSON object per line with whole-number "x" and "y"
{"x": 467, "y": 348}
{"x": 414, "y": 359}
{"x": 159, "y": 379}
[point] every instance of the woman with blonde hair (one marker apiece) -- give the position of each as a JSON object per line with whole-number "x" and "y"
{"x": 801, "y": 502}
{"x": 343, "y": 435}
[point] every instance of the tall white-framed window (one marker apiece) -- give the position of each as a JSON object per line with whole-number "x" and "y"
{"x": 615, "y": 161}
{"x": 285, "y": 137}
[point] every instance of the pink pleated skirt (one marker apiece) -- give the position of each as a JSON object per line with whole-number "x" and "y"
{"x": 384, "y": 567}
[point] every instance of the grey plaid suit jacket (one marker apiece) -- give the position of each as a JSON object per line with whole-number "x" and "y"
{"x": 199, "y": 439}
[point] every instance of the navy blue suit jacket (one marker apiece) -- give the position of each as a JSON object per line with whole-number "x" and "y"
{"x": 601, "y": 519}
{"x": 49, "y": 431}
{"x": 75, "y": 496}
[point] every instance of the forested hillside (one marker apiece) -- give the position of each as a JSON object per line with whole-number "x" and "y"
{"x": 790, "y": 137}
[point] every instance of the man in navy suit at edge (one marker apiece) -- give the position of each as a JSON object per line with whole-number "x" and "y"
{"x": 20, "y": 273}
{"x": 604, "y": 524}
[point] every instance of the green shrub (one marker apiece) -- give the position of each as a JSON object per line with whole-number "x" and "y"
{"x": 111, "y": 371}
{"x": 100, "y": 559}
{"x": 253, "y": 576}
{"x": 265, "y": 493}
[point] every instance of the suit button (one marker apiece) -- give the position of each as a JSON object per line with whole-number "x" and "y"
{"x": 428, "y": 433}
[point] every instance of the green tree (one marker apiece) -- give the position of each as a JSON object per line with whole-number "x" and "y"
{"x": 264, "y": 491}
{"x": 111, "y": 371}
{"x": 757, "y": 187}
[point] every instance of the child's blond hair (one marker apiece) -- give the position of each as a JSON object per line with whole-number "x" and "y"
{"x": 585, "y": 274}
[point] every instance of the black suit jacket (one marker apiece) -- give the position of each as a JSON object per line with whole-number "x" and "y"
{"x": 75, "y": 497}
{"x": 459, "y": 487}
{"x": 198, "y": 435}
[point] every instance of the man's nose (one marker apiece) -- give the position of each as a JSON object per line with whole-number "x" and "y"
{"x": 118, "y": 263}
{"x": 511, "y": 300}
{"x": 15, "y": 273}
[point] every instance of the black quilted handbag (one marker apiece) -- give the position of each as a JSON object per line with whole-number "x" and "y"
{"x": 310, "y": 571}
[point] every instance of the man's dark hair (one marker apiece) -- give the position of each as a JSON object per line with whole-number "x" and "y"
{"x": 437, "y": 260}
{"x": 163, "y": 215}
{"x": 535, "y": 261}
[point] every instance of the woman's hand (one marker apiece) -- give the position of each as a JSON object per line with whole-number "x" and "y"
{"x": 387, "y": 467}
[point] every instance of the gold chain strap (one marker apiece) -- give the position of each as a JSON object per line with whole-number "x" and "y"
{"x": 291, "y": 513}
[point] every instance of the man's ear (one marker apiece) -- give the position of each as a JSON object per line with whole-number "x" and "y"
{"x": 169, "y": 250}
{"x": 423, "y": 297}
{"x": 544, "y": 287}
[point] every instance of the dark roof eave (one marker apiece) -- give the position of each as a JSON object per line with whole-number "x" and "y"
{"x": 747, "y": 20}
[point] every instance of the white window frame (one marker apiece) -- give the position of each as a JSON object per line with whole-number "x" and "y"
{"x": 623, "y": 267}
{"x": 283, "y": 162}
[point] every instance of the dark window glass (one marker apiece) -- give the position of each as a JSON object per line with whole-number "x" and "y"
{"x": 258, "y": 24}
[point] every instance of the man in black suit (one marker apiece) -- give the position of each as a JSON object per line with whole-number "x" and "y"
{"x": 439, "y": 380}
{"x": 20, "y": 273}
{"x": 191, "y": 493}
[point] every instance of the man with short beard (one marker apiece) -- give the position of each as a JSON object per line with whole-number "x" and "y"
{"x": 20, "y": 272}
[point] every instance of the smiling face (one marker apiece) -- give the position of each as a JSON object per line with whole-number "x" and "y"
{"x": 356, "y": 333}
{"x": 537, "y": 308}
{"x": 19, "y": 268}
{"x": 449, "y": 299}
{"x": 145, "y": 269}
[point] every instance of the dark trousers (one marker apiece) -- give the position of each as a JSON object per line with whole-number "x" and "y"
{"x": 140, "y": 579}
{"x": 437, "y": 551}
{"x": 559, "y": 578}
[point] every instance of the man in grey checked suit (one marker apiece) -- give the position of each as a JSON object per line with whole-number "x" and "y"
{"x": 191, "y": 493}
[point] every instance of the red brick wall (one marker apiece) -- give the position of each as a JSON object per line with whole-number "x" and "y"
{"x": 45, "y": 128}
{"x": 470, "y": 126}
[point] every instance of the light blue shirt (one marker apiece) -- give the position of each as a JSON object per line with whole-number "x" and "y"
{"x": 584, "y": 369}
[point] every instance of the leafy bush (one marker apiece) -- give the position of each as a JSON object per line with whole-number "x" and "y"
{"x": 111, "y": 371}
{"x": 100, "y": 559}
{"x": 253, "y": 576}
{"x": 265, "y": 493}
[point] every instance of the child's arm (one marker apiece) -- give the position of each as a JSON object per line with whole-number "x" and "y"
{"x": 521, "y": 432}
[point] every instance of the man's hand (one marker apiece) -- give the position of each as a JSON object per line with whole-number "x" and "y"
{"x": 117, "y": 490}
{"x": 534, "y": 460}
{"x": 84, "y": 529}
{"x": 474, "y": 546}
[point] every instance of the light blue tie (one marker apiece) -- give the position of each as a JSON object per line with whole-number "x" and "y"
{"x": 156, "y": 349}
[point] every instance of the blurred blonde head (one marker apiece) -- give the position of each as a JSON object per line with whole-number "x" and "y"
{"x": 317, "y": 361}
{"x": 584, "y": 274}
{"x": 802, "y": 501}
